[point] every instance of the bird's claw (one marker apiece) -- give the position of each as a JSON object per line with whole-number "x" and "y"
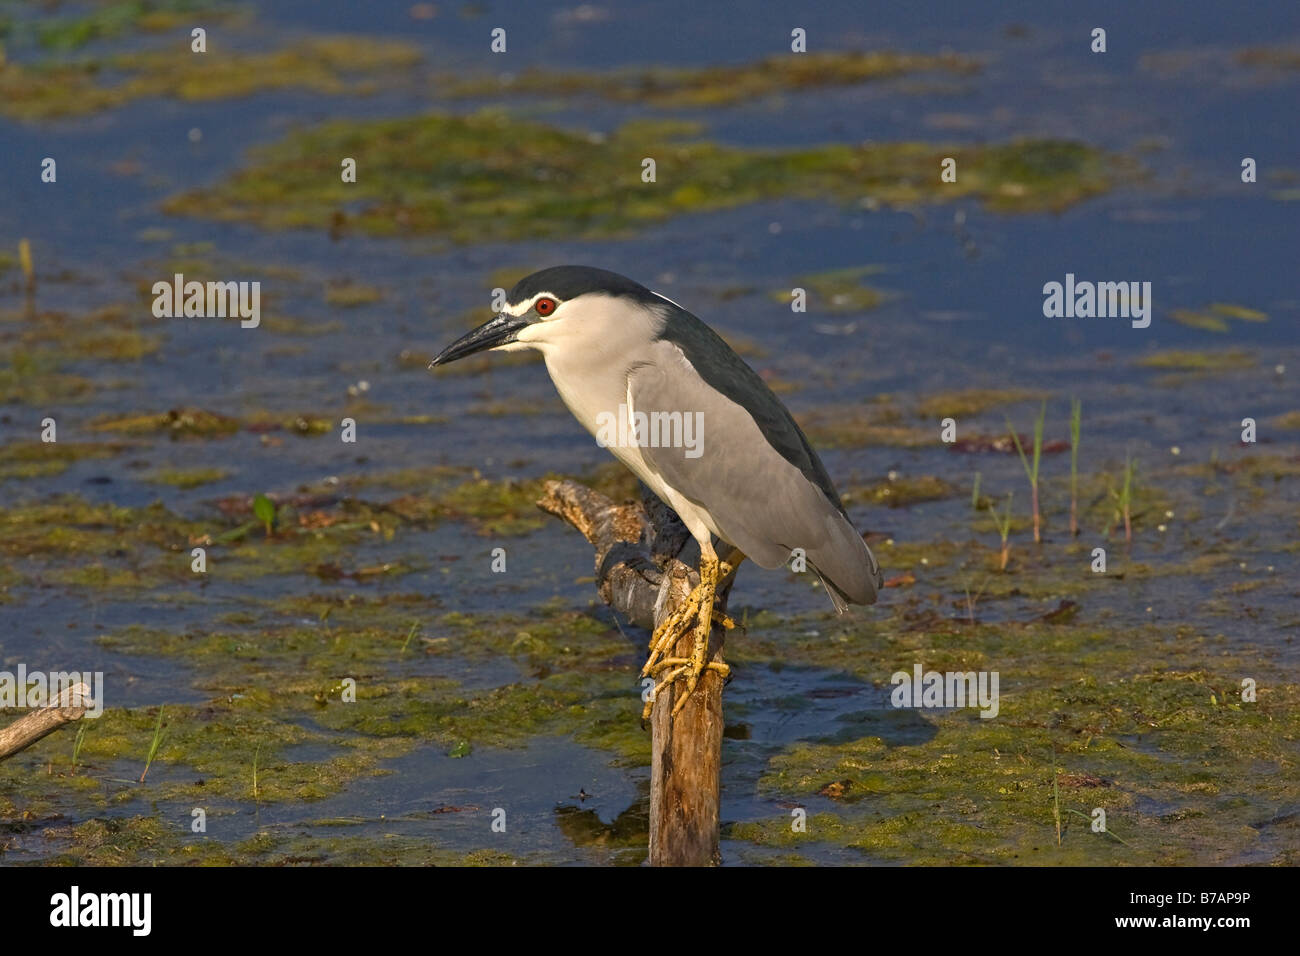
{"x": 698, "y": 614}
{"x": 676, "y": 667}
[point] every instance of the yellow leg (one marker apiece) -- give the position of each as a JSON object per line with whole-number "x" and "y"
{"x": 697, "y": 613}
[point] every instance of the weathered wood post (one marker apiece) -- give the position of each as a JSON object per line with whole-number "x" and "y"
{"x": 639, "y": 574}
{"x": 686, "y": 762}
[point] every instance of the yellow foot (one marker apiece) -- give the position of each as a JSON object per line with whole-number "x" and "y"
{"x": 696, "y": 615}
{"x": 676, "y": 667}
{"x": 676, "y": 624}
{"x": 684, "y": 619}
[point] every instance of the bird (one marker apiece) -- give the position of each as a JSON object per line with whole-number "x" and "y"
{"x": 673, "y": 402}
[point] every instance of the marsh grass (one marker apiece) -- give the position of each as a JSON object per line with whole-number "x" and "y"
{"x": 1003, "y": 523}
{"x": 1031, "y": 472}
{"x": 77, "y": 744}
{"x": 1106, "y": 831}
{"x": 29, "y": 271}
{"x": 264, "y": 511}
{"x": 972, "y": 601}
{"x": 153, "y": 745}
{"x": 1123, "y": 499}
{"x": 1056, "y": 797}
{"x": 256, "y": 755}
{"x": 415, "y": 626}
{"x": 1076, "y": 419}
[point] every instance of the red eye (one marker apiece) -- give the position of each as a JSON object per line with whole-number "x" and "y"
{"x": 545, "y": 306}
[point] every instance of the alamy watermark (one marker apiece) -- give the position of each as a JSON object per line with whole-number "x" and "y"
{"x": 39, "y": 689}
{"x": 949, "y": 689}
{"x": 1101, "y": 300}
{"x": 630, "y": 428}
{"x": 208, "y": 300}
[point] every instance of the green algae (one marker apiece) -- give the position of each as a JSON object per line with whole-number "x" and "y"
{"x": 969, "y": 402}
{"x": 187, "y": 478}
{"x": 495, "y": 508}
{"x": 1214, "y": 318}
{"x": 67, "y": 526}
{"x": 40, "y": 347}
{"x": 108, "y": 334}
{"x": 949, "y": 787}
{"x": 159, "y": 840}
{"x": 719, "y": 85}
{"x": 901, "y": 491}
{"x": 281, "y": 687}
{"x": 176, "y": 423}
{"x": 855, "y": 426}
{"x": 490, "y": 176}
{"x": 33, "y": 378}
{"x": 1082, "y": 712}
{"x": 26, "y": 460}
{"x": 297, "y": 849}
{"x": 407, "y": 479}
{"x": 349, "y": 294}
{"x": 1198, "y": 361}
{"x": 114, "y": 18}
{"x": 335, "y": 66}
{"x": 838, "y": 291}
{"x": 201, "y": 424}
{"x": 360, "y": 66}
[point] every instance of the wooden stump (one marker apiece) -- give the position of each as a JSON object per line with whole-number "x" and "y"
{"x": 640, "y": 574}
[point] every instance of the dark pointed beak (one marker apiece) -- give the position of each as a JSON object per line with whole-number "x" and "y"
{"x": 501, "y": 330}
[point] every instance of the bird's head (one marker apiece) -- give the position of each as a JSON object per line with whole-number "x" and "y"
{"x": 564, "y": 307}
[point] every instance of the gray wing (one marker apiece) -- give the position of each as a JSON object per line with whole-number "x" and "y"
{"x": 757, "y": 499}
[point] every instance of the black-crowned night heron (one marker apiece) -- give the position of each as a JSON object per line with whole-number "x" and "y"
{"x": 674, "y": 403}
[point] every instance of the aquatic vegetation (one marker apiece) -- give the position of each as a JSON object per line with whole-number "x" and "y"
{"x": 837, "y": 291}
{"x": 264, "y": 511}
{"x": 349, "y": 65}
{"x": 176, "y": 423}
{"x": 1076, "y": 422}
{"x": 36, "y": 459}
{"x": 330, "y": 563}
{"x": 154, "y": 744}
{"x": 1031, "y": 471}
{"x": 187, "y": 478}
{"x": 1123, "y": 498}
{"x": 933, "y": 786}
{"x": 1003, "y": 523}
{"x": 25, "y": 259}
{"x": 1207, "y": 361}
{"x": 1215, "y": 317}
{"x": 716, "y": 85}
{"x": 854, "y": 426}
{"x": 490, "y": 176}
{"x": 898, "y": 491}
{"x": 32, "y": 378}
{"x": 67, "y": 526}
{"x": 969, "y": 402}
{"x": 348, "y": 294}
{"x": 114, "y": 18}
{"x": 1274, "y": 58}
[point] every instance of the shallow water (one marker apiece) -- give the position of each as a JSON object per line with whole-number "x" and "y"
{"x": 963, "y": 309}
